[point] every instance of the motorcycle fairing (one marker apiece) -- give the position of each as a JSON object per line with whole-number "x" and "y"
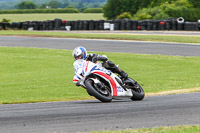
{"x": 111, "y": 81}
{"x": 117, "y": 90}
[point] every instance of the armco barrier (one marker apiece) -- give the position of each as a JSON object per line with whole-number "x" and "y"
{"x": 125, "y": 24}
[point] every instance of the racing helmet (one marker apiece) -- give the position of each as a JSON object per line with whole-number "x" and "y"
{"x": 79, "y": 52}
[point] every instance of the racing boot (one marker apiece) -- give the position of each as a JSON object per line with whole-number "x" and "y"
{"x": 122, "y": 73}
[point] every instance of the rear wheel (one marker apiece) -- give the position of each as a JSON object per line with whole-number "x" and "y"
{"x": 101, "y": 93}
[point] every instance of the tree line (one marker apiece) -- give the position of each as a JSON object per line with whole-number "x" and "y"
{"x": 119, "y": 9}
{"x": 38, "y": 4}
{"x": 152, "y": 9}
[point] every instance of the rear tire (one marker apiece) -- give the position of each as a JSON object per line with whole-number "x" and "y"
{"x": 96, "y": 92}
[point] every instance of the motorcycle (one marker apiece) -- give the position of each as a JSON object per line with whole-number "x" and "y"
{"x": 105, "y": 85}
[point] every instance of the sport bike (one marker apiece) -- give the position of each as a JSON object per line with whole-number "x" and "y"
{"x": 105, "y": 85}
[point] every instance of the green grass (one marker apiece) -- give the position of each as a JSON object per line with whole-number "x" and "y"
{"x": 159, "y": 38}
{"x": 176, "y": 129}
{"x": 35, "y": 75}
{"x": 52, "y": 16}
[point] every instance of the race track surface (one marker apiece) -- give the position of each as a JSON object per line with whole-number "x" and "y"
{"x": 142, "y": 32}
{"x": 70, "y": 117}
{"x": 139, "y": 47}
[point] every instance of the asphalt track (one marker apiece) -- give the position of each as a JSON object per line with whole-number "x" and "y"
{"x": 187, "y": 33}
{"x": 83, "y": 116}
{"x": 139, "y": 47}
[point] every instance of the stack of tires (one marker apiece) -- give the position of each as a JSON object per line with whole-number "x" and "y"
{"x": 168, "y": 24}
{"x": 198, "y": 26}
{"x": 85, "y": 25}
{"x": 134, "y": 24}
{"x": 101, "y": 25}
{"x": 139, "y": 25}
{"x": 5, "y": 26}
{"x": 25, "y": 25}
{"x": 129, "y": 25}
{"x": 117, "y": 24}
{"x": 91, "y": 25}
{"x": 149, "y": 25}
{"x": 144, "y": 25}
{"x": 162, "y": 25}
{"x": 174, "y": 24}
{"x": 180, "y": 22}
{"x": 16, "y": 26}
{"x": 191, "y": 26}
{"x": 125, "y": 24}
{"x": 155, "y": 24}
{"x": 58, "y": 23}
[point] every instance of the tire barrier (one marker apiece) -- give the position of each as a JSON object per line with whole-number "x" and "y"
{"x": 191, "y": 26}
{"x": 180, "y": 23}
{"x": 149, "y": 25}
{"x": 125, "y": 24}
{"x": 162, "y": 25}
{"x": 5, "y": 26}
{"x": 155, "y": 25}
{"x": 174, "y": 24}
{"x": 134, "y": 24}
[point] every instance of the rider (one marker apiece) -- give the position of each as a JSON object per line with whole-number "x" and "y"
{"x": 81, "y": 53}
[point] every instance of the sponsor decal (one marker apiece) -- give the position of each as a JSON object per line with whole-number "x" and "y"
{"x": 119, "y": 89}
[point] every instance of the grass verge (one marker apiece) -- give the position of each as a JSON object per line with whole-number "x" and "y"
{"x": 37, "y": 75}
{"x": 52, "y": 16}
{"x": 114, "y": 36}
{"x": 175, "y": 129}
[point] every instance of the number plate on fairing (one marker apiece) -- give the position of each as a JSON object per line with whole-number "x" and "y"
{"x": 124, "y": 93}
{"x": 120, "y": 89}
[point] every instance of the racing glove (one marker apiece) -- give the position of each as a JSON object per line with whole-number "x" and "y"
{"x": 78, "y": 83}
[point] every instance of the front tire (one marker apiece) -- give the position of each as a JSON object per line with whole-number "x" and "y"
{"x": 138, "y": 93}
{"x": 137, "y": 90}
{"x": 92, "y": 90}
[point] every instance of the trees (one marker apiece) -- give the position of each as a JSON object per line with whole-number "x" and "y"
{"x": 114, "y": 8}
{"x": 153, "y": 9}
{"x": 93, "y": 10}
{"x": 125, "y": 15}
{"x": 155, "y": 3}
{"x": 26, "y": 5}
{"x": 42, "y": 6}
{"x": 54, "y": 4}
{"x": 179, "y": 8}
{"x": 64, "y": 4}
{"x": 195, "y": 3}
{"x": 22, "y": 4}
{"x": 79, "y": 5}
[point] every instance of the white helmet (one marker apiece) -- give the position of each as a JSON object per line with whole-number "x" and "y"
{"x": 79, "y": 51}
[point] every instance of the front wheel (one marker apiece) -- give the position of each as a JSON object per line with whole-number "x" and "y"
{"x": 102, "y": 94}
{"x": 138, "y": 93}
{"x": 137, "y": 90}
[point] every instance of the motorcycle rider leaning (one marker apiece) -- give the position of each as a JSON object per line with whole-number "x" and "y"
{"x": 81, "y": 53}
